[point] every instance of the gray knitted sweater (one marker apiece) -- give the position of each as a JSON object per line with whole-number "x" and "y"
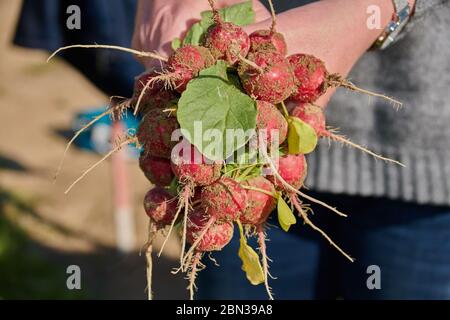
{"x": 416, "y": 70}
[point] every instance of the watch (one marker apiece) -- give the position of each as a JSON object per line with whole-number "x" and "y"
{"x": 399, "y": 21}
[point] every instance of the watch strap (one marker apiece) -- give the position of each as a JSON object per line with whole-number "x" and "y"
{"x": 393, "y": 29}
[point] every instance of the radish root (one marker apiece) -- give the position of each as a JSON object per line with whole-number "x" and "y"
{"x": 148, "y": 256}
{"x": 120, "y": 145}
{"x": 195, "y": 267}
{"x": 180, "y": 206}
{"x": 265, "y": 260}
{"x": 166, "y": 77}
{"x": 197, "y": 241}
{"x": 336, "y": 80}
{"x": 142, "y": 54}
{"x": 294, "y": 200}
{"x": 121, "y": 107}
{"x": 274, "y": 17}
{"x": 323, "y": 204}
{"x": 342, "y": 139}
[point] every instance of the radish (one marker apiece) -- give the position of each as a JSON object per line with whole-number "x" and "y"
{"x": 218, "y": 234}
{"x": 183, "y": 65}
{"x": 267, "y": 40}
{"x": 226, "y": 40}
{"x": 259, "y": 203}
{"x": 312, "y": 115}
{"x": 157, "y": 170}
{"x": 310, "y": 75}
{"x": 194, "y": 168}
{"x": 205, "y": 234}
{"x": 155, "y": 97}
{"x": 293, "y": 169}
{"x": 224, "y": 199}
{"x": 155, "y": 131}
{"x": 270, "y": 119}
{"x": 160, "y": 206}
{"x": 313, "y": 79}
{"x": 263, "y": 40}
{"x": 272, "y": 81}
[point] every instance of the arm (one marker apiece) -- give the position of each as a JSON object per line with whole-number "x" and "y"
{"x": 333, "y": 30}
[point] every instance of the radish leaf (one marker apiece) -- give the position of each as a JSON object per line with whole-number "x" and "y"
{"x": 250, "y": 260}
{"x": 221, "y": 109}
{"x": 285, "y": 216}
{"x": 302, "y": 138}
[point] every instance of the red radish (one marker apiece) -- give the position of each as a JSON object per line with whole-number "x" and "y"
{"x": 313, "y": 80}
{"x": 273, "y": 82}
{"x": 259, "y": 204}
{"x": 217, "y": 235}
{"x": 293, "y": 170}
{"x": 267, "y": 40}
{"x": 183, "y": 65}
{"x": 224, "y": 200}
{"x": 186, "y": 62}
{"x": 226, "y": 40}
{"x": 155, "y": 131}
{"x": 160, "y": 206}
{"x": 193, "y": 167}
{"x": 157, "y": 170}
{"x": 311, "y": 75}
{"x": 155, "y": 96}
{"x": 269, "y": 118}
{"x": 312, "y": 115}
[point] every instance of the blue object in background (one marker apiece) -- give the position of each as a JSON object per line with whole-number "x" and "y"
{"x": 97, "y": 138}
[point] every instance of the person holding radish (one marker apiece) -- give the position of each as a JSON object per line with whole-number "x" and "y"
{"x": 399, "y": 223}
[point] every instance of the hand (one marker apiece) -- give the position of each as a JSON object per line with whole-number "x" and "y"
{"x": 158, "y": 22}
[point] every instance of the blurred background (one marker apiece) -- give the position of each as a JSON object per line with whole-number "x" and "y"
{"x": 42, "y": 230}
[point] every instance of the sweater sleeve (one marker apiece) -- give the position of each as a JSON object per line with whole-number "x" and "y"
{"x": 421, "y": 9}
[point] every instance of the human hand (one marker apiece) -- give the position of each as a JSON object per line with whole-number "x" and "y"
{"x": 158, "y": 22}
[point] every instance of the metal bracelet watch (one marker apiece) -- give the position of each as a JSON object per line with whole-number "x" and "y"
{"x": 399, "y": 21}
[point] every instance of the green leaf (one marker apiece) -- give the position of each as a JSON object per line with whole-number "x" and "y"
{"x": 219, "y": 106}
{"x": 217, "y": 70}
{"x": 301, "y": 137}
{"x": 250, "y": 260}
{"x": 241, "y": 14}
{"x": 194, "y": 35}
{"x": 176, "y": 43}
{"x": 286, "y": 217}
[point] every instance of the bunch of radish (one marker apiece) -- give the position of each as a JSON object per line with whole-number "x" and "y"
{"x": 204, "y": 198}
